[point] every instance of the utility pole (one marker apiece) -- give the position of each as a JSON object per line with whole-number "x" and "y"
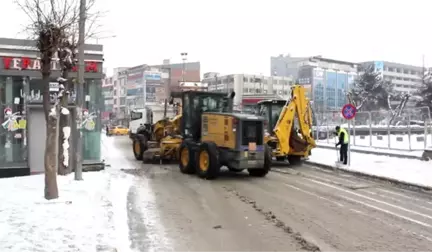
{"x": 80, "y": 90}
{"x": 184, "y": 58}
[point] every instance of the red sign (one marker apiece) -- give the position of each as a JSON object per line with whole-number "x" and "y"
{"x": 7, "y": 111}
{"x": 35, "y": 64}
{"x": 349, "y": 111}
{"x": 251, "y": 100}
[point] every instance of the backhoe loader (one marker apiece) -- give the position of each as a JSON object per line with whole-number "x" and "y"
{"x": 288, "y": 126}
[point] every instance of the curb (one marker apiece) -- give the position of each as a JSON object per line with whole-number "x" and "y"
{"x": 377, "y": 153}
{"x": 373, "y": 177}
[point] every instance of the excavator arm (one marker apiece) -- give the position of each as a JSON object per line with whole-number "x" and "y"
{"x": 297, "y": 106}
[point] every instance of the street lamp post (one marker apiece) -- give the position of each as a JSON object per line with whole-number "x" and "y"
{"x": 107, "y": 37}
{"x": 184, "y": 58}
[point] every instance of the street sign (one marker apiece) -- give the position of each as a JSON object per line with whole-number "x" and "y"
{"x": 349, "y": 111}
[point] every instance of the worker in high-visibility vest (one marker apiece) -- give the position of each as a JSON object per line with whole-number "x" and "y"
{"x": 343, "y": 142}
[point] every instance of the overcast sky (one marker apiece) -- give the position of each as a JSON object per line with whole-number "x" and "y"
{"x": 239, "y": 36}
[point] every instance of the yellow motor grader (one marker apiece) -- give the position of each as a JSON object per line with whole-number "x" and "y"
{"x": 207, "y": 135}
{"x": 161, "y": 140}
{"x": 288, "y": 126}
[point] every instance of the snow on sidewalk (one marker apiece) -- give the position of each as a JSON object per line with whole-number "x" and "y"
{"x": 90, "y": 215}
{"x": 383, "y": 151}
{"x": 405, "y": 170}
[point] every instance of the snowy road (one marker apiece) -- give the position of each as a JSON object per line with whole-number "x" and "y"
{"x": 305, "y": 209}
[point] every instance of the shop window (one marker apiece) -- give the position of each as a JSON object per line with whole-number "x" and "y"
{"x": 92, "y": 134}
{"x": 13, "y": 149}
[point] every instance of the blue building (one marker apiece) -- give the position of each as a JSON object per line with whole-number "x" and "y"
{"x": 327, "y": 81}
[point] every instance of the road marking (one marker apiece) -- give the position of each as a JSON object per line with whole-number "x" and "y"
{"x": 387, "y": 211}
{"x": 391, "y": 224}
{"x": 368, "y": 215}
{"x": 378, "y": 201}
{"x": 335, "y": 182}
{"x": 396, "y": 199}
{"x": 405, "y": 196}
{"x": 314, "y": 194}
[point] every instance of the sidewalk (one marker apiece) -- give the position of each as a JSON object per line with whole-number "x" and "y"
{"x": 90, "y": 215}
{"x": 414, "y": 154}
{"x": 407, "y": 171}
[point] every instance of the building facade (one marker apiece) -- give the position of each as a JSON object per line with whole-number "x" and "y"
{"x": 119, "y": 93}
{"x": 254, "y": 87}
{"x": 145, "y": 85}
{"x": 406, "y": 78}
{"x": 327, "y": 82}
{"x": 190, "y": 71}
{"x": 286, "y": 65}
{"x": 22, "y": 135}
{"x": 108, "y": 94}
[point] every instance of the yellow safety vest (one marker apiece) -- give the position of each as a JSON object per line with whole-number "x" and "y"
{"x": 346, "y": 136}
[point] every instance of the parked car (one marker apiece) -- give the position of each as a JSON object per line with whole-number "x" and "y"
{"x": 119, "y": 130}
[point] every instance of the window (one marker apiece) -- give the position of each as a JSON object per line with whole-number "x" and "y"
{"x": 13, "y": 148}
{"x": 136, "y": 115}
{"x": 263, "y": 111}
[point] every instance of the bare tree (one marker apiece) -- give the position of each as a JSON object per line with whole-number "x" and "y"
{"x": 402, "y": 98}
{"x": 53, "y": 24}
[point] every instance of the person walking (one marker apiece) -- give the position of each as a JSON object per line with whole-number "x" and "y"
{"x": 343, "y": 142}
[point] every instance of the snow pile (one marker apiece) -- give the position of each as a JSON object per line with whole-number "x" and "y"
{"x": 90, "y": 215}
{"x": 65, "y": 145}
{"x": 405, "y": 170}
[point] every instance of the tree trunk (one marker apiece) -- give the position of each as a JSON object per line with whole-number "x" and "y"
{"x": 64, "y": 122}
{"x": 51, "y": 188}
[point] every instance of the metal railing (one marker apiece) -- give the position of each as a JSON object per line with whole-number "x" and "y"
{"x": 410, "y": 130}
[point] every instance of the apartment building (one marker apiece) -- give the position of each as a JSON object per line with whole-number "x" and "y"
{"x": 108, "y": 95}
{"x": 285, "y": 65}
{"x": 114, "y": 91}
{"x": 249, "y": 88}
{"x": 406, "y": 78}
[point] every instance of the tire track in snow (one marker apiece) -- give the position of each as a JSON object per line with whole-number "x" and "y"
{"x": 145, "y": 229}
